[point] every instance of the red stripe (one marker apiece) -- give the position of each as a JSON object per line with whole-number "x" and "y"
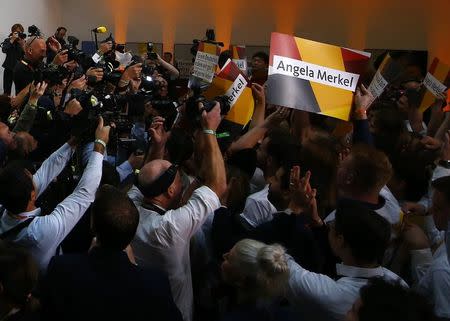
{"x": 283, "y": 45}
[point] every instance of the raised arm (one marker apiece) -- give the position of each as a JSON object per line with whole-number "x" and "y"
{"x": 69, "y": 211}
{"x": 26, "y": 119}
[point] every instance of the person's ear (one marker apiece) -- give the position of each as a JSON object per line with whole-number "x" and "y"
{"x": 33, "y": 195}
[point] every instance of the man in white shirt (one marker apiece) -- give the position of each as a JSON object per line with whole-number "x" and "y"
{"x": 430, "y": 263}
{"x": 165, "y": 229}
{"x": 275, "y": 147}
{"x": 21, "y": 222}
{"x": 359, "y": 238}
{"x": 362, "y": 177}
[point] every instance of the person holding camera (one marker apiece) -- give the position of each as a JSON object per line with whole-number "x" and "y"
{"x": 35, "y": 53}
{"x": 13, "y": 48}
{"x": 165, "y": 229}
{"x": 59, "y": 36}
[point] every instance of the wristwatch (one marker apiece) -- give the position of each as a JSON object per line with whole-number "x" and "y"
{"x": 444, "y": 163}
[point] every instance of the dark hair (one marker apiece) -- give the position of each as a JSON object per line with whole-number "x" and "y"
{"x": 223, "y": 58}
{"x": 442, "y": 185}
{"x": 282, "y": 147}
{"x": 179, "y": 146}
{"x": 261, "y": 54}
{"x": 15, "y": 188}
{"x": 61, "y": 28}
{"x": 371, "y": 168}
{"x": 387, "y": 301}
{"x": 114, "y": 217}
{"x": 17, "y": 26}
{"x": 18, "y": 273}
{"x": 365, "y": 232}
{"x": 240, "y": 190}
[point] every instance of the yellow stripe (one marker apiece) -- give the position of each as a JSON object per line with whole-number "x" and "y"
{"x": 332, "y": 101}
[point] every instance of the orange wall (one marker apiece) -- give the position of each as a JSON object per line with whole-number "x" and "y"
{"x": 396, "y": 24}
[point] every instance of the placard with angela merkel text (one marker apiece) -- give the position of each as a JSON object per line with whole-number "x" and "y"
{"x": 313, "y": 76}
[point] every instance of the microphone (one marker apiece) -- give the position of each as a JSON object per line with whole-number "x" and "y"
{"x": 101, "y": 29}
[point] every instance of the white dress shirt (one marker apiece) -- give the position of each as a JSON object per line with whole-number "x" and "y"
{"x": 162, "y": 241}
{"x": 318, "y": 297}
{"x": 433, "y": 273}
{"x": 258, "y": 209}
{"x": 43, "y": 236}
{"x": 390, "y": 208}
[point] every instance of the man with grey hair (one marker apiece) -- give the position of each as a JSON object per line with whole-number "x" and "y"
{"x": 165, "y": 229}
{"x": 35, "y": 52}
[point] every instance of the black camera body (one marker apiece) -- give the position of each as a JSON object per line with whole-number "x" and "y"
{"x": 52, "y": 74}
{"x": 34, "y": 31}
{"x": 194, "y": 113}
{"x": 150, "y": 53}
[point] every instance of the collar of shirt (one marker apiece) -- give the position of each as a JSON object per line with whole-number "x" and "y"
{"x": 33, "y": 213}
{"x": 357, "y": 272}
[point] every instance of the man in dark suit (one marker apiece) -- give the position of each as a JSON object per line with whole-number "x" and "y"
{"x": 104, "y": 284}
{"x": 13, "y": 48}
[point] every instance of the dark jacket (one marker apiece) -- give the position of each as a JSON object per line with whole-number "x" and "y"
{"x": 104, "y": 285}
{"x": 14, "y": 53}
{"x": 23, "y": 75}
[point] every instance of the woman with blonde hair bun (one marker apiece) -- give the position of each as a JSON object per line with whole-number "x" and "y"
{"x": 257, "y": 272}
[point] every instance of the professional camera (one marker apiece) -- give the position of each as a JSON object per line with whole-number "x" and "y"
{"x": 150, "y": 53}
{"x": 194, "y": 114}
{"x": 73, "y": 53}
{"x": 109, "y": 73}
{"x": 52, "y": 74}
{"x": 34, "y": 31}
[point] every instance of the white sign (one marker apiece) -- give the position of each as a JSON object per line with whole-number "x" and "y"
{"x": 315, "y": 73}
{"x": 205, "y": 66}
{"x": 434, "y": 85}
{"x": 235, "y": 91}
{"x": 185, "y": 68}
{"x": 241, "y": 63}
{"x": 377, "y": 85}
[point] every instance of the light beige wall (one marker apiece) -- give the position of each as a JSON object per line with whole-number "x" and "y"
{"x": 396, "y": 24}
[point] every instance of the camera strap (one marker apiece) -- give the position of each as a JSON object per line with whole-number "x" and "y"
{"x": 160, "y": 185}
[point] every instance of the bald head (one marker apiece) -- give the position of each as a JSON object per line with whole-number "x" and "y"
{"x": 152, "y": 171}
{"x": 159, "y": 185}
{"x": 35, "y": 49}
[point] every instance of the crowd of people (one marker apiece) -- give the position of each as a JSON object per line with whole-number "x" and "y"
{"x": 112, "y": 208}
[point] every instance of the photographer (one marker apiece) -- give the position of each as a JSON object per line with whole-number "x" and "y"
{"x": 35, "y": 52}
{"x": 165, "y": 229}
{"x": 22, "y": 221}
{"x": 13, "y": 48}
{"x": 59, "y": 36}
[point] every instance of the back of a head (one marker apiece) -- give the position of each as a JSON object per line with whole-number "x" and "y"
{"x": 15, "y": 188}
{"x": 282, "y": 147}
{"x": 264, "y": 267}
{"x": 114, "y": 218}
{"x": 366, "y": 233}
{"x": 18, "y": 274}
{"x": 371, "y": 169}
{"x": 386, "y": 301}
